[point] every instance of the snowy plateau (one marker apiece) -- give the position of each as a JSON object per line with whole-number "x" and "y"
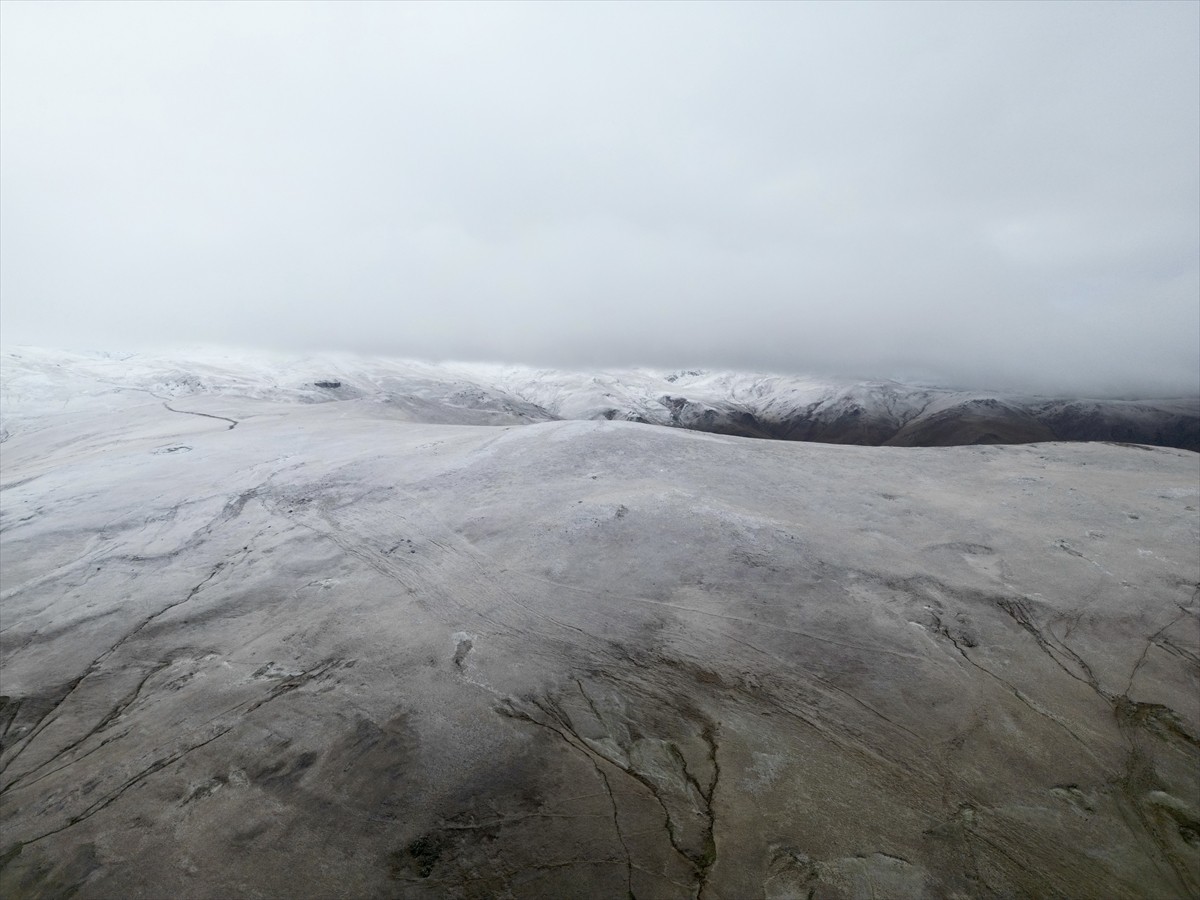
{"x": 337, "y": 627}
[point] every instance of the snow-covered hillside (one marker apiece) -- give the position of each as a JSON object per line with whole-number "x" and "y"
{"x": 402, "y": 634}
{"x": 745, "y": 404}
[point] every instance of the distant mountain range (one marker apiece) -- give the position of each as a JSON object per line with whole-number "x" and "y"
{"x": 780, "y": 407}
{"x": 868, "y": 413}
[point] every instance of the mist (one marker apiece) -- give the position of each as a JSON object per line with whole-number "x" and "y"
{"x": 999, "y": 195}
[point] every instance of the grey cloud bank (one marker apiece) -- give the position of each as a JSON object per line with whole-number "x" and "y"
{"x": 999, "y": 195}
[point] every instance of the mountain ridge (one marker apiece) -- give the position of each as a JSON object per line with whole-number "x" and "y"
{"x": 778, "y": 407}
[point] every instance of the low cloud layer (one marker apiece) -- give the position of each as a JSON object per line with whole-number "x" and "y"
{"x": 999, "y": 195}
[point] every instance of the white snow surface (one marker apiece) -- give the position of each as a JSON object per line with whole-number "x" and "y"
{"x": 32, "y": 375}
{"x": 405, "y": 636}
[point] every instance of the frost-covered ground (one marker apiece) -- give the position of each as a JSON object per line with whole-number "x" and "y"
{"x": 407, "y": 635}
{"x": 746, "y": 404}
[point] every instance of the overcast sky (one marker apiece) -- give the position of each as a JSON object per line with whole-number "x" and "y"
{"x": 995, "y": 195}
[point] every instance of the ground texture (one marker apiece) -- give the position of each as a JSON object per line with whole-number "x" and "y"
{"x": 269, "y": 648}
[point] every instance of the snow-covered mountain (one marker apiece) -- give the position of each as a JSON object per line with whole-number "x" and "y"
{"x": 331, "y": 627}
{"x": 870, "y": 413}
{"x": 745, "y": 404}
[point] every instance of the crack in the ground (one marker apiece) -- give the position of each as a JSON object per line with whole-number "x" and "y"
{"x": 1133, "y": 718}
{"x": 115, "y": 712}
{"x": 617, "y": 827}
{"x": 709, "y": 733}
{"x": 276, "y": 691}
{"x": 51, "y": 714}
{"x": 1019, "y": 611}
{"x": 568, "y": 734}
{"x": 1141, "y": 779}
{"x": 699, "y": 859}
{"x": 1012, "y": 688}
{"x": 1156, "y": 640}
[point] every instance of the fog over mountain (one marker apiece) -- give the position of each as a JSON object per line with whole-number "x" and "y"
{"x": 996, "y": 196}
{"x": 664, "y": 451}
